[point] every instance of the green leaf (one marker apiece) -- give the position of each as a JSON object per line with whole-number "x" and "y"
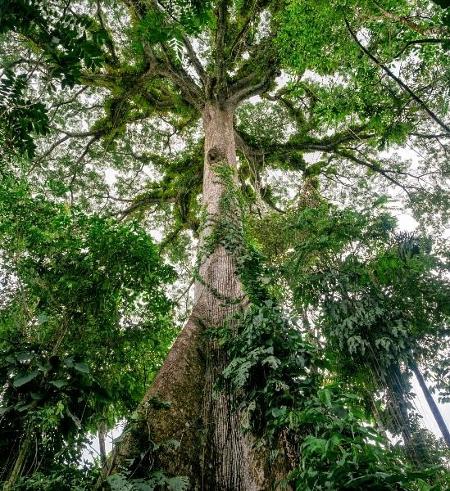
{"x": 24, "y": 379}
{"x": 118, "y": 482}
{"x": 81, "y": 367}
{"x": 24, "y": 356}
{"x": 278, "y": 412}
{"x": 42, "y": 318}
{"x": 178, "y": 483}
{"x": 58, "y": 383}
{"x": 325, "y": 397}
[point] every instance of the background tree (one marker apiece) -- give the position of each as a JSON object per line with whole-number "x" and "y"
{"x": 84, "y": 326}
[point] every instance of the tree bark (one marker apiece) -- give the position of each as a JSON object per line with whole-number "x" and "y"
{"x": 213, "y": 451}
{"x": 101, "y": 442}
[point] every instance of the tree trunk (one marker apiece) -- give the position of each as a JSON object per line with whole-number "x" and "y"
{"x": 415, "y": 445}
{"x": 399, "y": 404}
{"x": 432, "y": 405}
{"x": 19, "y": 464}
{"x": 102, "y": 431}
{"x": 212, "y": 451}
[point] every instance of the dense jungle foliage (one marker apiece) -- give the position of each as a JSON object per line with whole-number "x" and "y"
{"x": 341, "y": 128}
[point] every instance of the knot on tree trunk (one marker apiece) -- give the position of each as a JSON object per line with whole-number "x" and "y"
{"x": 216, "y": 155}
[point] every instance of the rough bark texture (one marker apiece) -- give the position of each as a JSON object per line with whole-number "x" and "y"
{"x": 213, "y": 452}
{"x": 228, "y": 460}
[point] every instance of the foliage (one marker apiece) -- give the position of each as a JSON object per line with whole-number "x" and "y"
{"x": 20, "y": 117}
{"x": 101, "y": 134}
{"x": 285, "y": 382}
{"x": 118, "y": 482}
{"x": 381, "y": 292}
{"x": 65, "y": 369}
{"x": 283, "y": 385}
{"x": 69, "y": 42}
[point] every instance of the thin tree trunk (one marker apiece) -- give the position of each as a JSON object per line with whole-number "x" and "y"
{"x": 399, "y": 404}
{"x": 16, "y": 471}
{"x": 213, "y": 451}
{"x": 415, "y": 445}
{"x": 431, "y": 403}
{"x": 101, "y": 442}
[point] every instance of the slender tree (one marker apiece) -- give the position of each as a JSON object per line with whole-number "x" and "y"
{"x": 432, "y": 404}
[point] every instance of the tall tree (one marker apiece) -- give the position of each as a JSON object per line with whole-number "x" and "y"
{"x": 205, "y": 97}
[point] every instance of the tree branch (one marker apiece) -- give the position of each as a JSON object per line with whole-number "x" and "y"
{"x": 176, "y": 74}
{"x": 403, "y": 20}
{"x": 257, "y": 74}
{"x": 430, "y": 135}
{"x": 79, "y": 162}
{"x": 297, "y": 114}
{"x": 251, "y": 90}
{"x": 421, "y": 41}
{"x": 109, "y": 42}
{"x": 308, "y": 144}
{"x": 194, "y": 59}
{"x": 186, "y": 41}
{"x": 371, "y": 166}
{"x": 405, "y": 87}
{"x": 157, "y": 197}
{"x": 221, "y": 31}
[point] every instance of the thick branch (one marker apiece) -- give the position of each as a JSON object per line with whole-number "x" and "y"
{"x": 238, "y": 45}
{"x": 222, "y": 25}
{"x": 150, "y": 198}
{"x": 250, "y": 152}
{"x": 420, "y": 41}
{"x": 328, "y": 145}
{"x": 103, "y": 80}
{"x": 165, "y": 67}
{"x": 257, "y": 74}
{"x": 430, "y": 135}
{"x": 252, "y": 90}
{"x": 305, "y": 144}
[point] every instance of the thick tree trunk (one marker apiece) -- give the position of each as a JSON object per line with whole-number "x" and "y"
{"x": 213, "y": 451}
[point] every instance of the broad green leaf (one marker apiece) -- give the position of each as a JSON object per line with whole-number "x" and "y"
{"x": 24, "y": 379}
